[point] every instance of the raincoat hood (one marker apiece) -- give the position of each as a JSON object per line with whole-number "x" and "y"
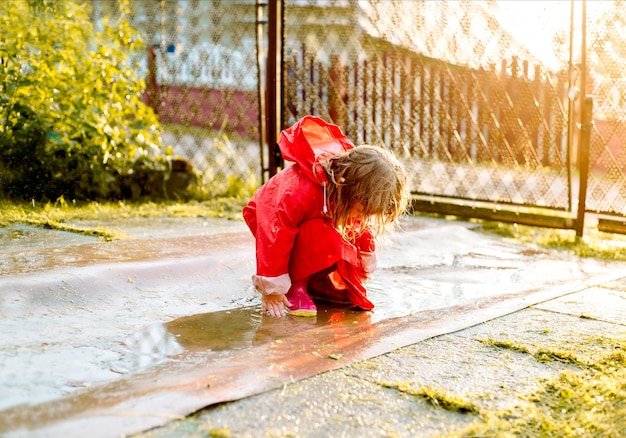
{"x": 309, "y": 140}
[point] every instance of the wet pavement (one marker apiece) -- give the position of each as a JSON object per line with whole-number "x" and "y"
{"x": 120, "y": 337}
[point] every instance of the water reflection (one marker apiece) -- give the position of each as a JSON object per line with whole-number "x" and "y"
{"x": 217, "y": 331}
{"x": 246, "y": 327}
{"x": 228, "y": 330}
{"x": 150, "y": 346}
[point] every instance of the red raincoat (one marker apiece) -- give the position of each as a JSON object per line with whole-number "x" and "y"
{"x": 295, "y": 238}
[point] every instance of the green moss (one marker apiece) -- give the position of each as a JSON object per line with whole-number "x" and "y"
{"x": 565, "y": 356}
{"x": 100, "y": 232}
{"x": 500, "y": 228}
{"x": 505, "y": 344}
{"x": 541, "y": 354}
{"x": 223, "y": 432}
{"x": 437, "y": 397}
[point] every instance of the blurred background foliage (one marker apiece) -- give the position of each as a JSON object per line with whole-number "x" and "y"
{"x": 72, "y": 122}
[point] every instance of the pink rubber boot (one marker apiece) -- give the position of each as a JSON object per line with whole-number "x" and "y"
{"x": 301, "y": 302}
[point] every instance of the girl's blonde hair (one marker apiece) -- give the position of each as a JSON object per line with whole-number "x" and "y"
{"x": 371, "y": 176}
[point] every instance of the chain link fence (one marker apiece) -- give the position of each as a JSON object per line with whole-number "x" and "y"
{"x": 202, "y": 80}
{"x": 479, "y": 99}
{"x": 606, "y": 82}
{"x": 473, "y": 111}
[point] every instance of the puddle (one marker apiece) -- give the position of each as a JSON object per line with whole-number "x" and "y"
{"x": 19, "y": 237}
{"x": 204, "y": 334}
{"x": 246, "y": 327}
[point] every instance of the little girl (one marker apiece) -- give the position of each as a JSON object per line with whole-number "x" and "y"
{"x": 315, "y": 221}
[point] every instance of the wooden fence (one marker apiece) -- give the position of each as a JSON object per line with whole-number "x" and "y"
{"x": 430, "y": 109}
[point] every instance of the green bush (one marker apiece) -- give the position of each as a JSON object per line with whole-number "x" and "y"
{"x": 72, "y": 122}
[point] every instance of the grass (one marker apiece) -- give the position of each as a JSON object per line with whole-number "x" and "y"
{"x": 593, "y": 244}
{"x": 60, "y": 214}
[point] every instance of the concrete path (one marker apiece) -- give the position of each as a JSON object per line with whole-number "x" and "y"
{"x": 371, "y": 398}
{"x": 120, "y": 337}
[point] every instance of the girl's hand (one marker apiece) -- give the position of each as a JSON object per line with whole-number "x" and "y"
{"x": 274, "y": 305}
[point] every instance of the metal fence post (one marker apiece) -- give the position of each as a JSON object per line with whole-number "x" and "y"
{"x": 274, "y": 84}
{"x": 583, "y": 161}
{"x": 585, "y": 129}
{"x": 261, "y": 53}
